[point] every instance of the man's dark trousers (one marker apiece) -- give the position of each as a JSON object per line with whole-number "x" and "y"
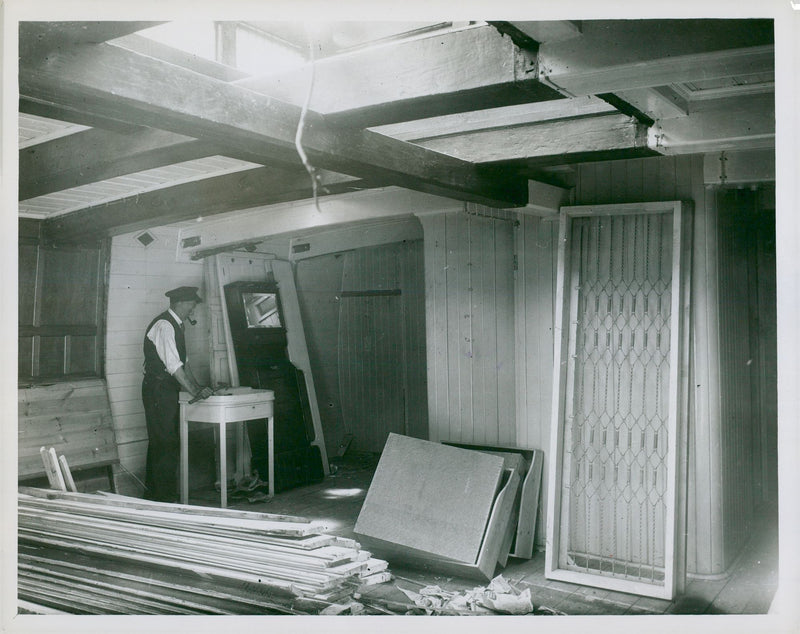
{"x": 161, "y": 412}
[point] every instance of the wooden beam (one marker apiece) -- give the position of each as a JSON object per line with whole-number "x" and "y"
{"x": 95, "y": 155}
{"x": 614, "y": 55}
{"x": 211, "y": 235}
{"x": 111, "y": 82}
{"x": 158, "y": 50}
{"x": 660, "y": 102}
{"x": 37, "y": 39}
{"x": 547, "y": 30}
{"x": 494, "y": 118}
{"x": 71, "y": 115}
{"x": 598, "y": 137}
{"x": 457, "y": 71}
{"x": 747, "y": 123}
{"x": 203, "y": 198}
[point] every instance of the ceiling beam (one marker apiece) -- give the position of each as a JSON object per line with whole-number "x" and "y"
{"x": 457, "y": 71}
{"x": 745, "y": 123}
{"x": 541, "y": 31}
{"x": 203, "y": 198}
{"x": 613, "y": 55}
{"x": 492, "y": 118}
{"x": 599, "y": 137}
{"x": 95, "y": 155}
{"x": 111, "y": 82}
{"x": 71, "y": 115}
{"x": 153, "y": 48}
{"x": 37, "y": 39}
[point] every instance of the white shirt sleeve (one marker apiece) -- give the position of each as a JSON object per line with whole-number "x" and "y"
{"x": 162, "y": 334}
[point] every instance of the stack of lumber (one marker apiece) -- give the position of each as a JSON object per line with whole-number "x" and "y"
{"x": 109, "y": 554}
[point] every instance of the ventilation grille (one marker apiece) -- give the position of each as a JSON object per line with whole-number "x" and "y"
{"x": 146, "y": 238}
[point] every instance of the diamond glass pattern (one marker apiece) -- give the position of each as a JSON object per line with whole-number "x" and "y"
{"x": 615, "y": 440}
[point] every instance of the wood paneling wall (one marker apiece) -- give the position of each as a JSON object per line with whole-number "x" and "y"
{"x": 469, "y": 278}
{"x": 138, "y": 278}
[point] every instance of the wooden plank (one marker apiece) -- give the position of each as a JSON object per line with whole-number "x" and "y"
{"x": 111, "y": 82}
{"x": 434, "y": 254}
{"x": 67, "y": 474}
{"x": 223, "y": 595}
{"x": 106, "y": 500}
{"x": 318, "y": 567}
{"x": 504, "y": 311}
{"x": 51, "y": 468}
{"x": 74, "y": 427}
{"x": 430, "y": 497}
{"x": 239, "y": 520}
{"x": 73, "y": 443}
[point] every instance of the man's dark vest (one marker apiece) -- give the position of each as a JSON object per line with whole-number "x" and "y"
{"x": 154, "y": 368}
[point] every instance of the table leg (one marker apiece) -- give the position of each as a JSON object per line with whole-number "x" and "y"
{"x": 240, "y": 472}
{"x": 271, "y": 454}
{"x": 223, "y": 466}
{"x": 184, "y": 476}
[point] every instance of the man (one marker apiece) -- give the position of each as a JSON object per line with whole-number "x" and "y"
{"x": 165, "y": 375}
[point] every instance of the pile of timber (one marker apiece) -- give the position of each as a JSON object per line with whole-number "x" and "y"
{"x": 109, "y": 554}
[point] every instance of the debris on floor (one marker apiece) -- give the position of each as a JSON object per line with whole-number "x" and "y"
{"x": 499, "y": 597}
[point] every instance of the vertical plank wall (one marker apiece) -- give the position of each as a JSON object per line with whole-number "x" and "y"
{"x": 747, "y": 446}
{"x": 138, "y": 278}
{"x": 381, "y": 344}
{"x": 469, "y": 278}
{"x": 368, "y": 352}
{"x": 719, "y": 499}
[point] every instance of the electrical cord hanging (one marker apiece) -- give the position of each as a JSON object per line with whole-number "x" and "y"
{"x": 298, "y": 139}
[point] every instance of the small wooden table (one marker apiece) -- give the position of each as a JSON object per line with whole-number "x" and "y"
{"x": 233, "y": 405}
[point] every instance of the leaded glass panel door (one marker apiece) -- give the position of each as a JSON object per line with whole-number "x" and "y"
{"x": 619, "y": 364}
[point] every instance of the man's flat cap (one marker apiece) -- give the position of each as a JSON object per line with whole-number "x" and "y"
{"x": 184, "y": 294}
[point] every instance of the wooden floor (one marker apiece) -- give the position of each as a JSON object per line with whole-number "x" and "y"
{"x": 748, "y": 589}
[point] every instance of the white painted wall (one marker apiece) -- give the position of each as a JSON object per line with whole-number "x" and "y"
{"x": 469, "y": 298}
{"x": 138, "y": 278}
